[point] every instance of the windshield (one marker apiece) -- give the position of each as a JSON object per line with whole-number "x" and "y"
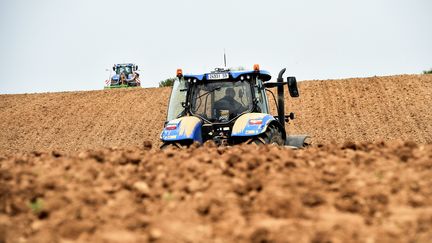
{"x": 178, "y": 95}
{"x": 123, "y": 69}
{"x": 221, "y": 101}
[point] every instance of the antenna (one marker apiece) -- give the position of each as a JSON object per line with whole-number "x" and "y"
{"x": 224, "y": 58}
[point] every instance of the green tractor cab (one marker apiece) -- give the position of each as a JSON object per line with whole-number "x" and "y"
{"x": 229, "y": 107}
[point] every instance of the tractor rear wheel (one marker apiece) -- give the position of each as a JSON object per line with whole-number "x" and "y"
{"x": 272, "y": 136}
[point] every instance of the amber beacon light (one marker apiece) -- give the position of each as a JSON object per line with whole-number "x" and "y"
{"x": 256, "y": 67}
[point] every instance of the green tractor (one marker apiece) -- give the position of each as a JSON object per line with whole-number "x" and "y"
{"x": 229, "y": 108}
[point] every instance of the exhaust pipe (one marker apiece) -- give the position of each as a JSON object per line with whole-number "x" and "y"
{"x": 281, "y": 101}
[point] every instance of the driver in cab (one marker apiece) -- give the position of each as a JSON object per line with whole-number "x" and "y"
{"x": 229, "y": 104}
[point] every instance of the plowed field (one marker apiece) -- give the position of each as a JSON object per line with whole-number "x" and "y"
{"x": 363, "y": 109}
{"x": 85, "y": 167}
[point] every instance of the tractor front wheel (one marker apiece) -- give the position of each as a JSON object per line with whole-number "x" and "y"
{"x": 177, "y": 144}
{"x": 272, "y": 136}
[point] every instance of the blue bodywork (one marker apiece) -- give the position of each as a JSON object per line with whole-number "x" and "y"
{"x": 243, "y": 127}
{"x": 185, "y": 129}
{"x": 115, "y": 77}
{"x": 262, "y": 74}
{"x": 247, "y": 125}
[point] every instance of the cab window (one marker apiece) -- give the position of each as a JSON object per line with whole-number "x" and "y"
{"x": 178, "y": 96}
{"x": 261, "y": 96}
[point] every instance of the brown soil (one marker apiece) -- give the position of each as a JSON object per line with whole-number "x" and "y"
{"x": 71, "y": 121}
{"x": 379, "y": 192}
{"x": 363, "y": 109}
{"x": 80, "y": 167}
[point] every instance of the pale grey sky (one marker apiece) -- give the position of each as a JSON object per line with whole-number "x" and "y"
{"x": 63, "y": 45}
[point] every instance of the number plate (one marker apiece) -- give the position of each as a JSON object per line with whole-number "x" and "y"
{"x": 217, "y": 76}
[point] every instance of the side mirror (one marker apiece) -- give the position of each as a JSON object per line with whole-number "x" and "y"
{"x": 292, "y": 87}
{"x": 113, "y": 68}
{"x": 136, "y": 67}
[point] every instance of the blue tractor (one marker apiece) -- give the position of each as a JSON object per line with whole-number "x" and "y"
{"x": 125, "y": 75}
{"x": 229, "y": 108}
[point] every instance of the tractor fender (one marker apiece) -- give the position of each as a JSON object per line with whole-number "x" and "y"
{"x": 253, "y": 124}
{"x": 184, "y": 128}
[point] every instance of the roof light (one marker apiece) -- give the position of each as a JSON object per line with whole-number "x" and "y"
{"x": 179, "y": 72}
{"x": 256, "y": 67}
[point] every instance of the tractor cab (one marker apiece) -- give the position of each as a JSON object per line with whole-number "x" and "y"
{"x": 221, "y": 101}
{"x": 123, "y": 76}
{"x": 219, "y": 96}
{"x": 126, "y": 69}
{"x": 228, "y": 107}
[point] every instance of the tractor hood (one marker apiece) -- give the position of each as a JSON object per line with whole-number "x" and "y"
{"x": 184, "y": 128}
{"x": 116, "y": 77}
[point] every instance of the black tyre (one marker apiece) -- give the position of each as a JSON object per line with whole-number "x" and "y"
{"x": 168, "y": 145}
{"x": 272, "y": 136}
{"x": 179, "y": 144}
